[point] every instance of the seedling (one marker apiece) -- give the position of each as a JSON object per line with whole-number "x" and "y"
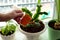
{"x": 9, "y": 29}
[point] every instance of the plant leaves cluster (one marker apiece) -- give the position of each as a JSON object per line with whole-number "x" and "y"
{"x": 9, "y": 29}
{"x": 36, "y": 15}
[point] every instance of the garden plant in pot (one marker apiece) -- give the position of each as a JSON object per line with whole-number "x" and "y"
{"x": 54, "y": 25}
{"x": 8, "y": 31}
{"x": 30, "y": 24}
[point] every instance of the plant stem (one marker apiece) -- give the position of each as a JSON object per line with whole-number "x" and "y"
{"x": 39, "y": 1}
{"x": 57, "y": 4}
{"x": 35, "y": 17}
{"x": 37, "y": 10}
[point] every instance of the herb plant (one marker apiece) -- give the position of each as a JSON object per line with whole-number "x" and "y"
{"x": 9, "y": 29}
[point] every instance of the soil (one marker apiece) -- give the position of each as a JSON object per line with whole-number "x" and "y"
{"x": 53, "y": 24}
{"x": 34, "y": 29}
{"x": 8, "y": 33}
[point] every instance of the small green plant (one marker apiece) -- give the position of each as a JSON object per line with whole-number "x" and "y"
{"x": 9, "y": 29}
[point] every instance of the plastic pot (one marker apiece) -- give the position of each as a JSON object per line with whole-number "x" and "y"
{"x": 53, "y": 34}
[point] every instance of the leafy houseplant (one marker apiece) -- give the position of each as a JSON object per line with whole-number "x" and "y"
{"x": 54, "y": 25}
{"x": 7, "y": 32}
{"x": 33, "y": 26}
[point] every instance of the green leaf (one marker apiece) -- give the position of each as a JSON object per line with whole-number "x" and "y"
{"x": 43, "y": 13}
{"x": 57, "y": 9}
{"x": 27, "y": 11}
{"x": 5, "y": 30}
{"x": 36, "y": 15}
{"x": 12, "y": 27}
{"x": 2, "y": 30}
{"x": 39, "y": 1}
{"x": 37, "y": 20}
{"x": 9, "y": 28}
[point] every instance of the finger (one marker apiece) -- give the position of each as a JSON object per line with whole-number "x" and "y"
{"x": 20, "y": 14}
{"x": 18, "y": 11}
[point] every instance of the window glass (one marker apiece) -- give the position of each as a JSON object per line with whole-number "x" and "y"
{"x": 47, "y": 5}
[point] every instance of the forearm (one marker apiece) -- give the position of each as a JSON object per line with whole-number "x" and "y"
{"x": 4, "y": 17}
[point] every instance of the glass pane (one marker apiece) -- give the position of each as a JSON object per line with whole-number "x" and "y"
{"x": 47, "y": 5}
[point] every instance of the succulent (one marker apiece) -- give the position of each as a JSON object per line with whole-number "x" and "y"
{"x": 9, "y": 29}
{"x": 38, "y": 12}
{"x": 36, "y": 15}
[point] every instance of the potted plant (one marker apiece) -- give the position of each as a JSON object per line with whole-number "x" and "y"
{"x": 54, "y": 25}
{"x": 30, "y": 25}
{"x": 8, "y": 31}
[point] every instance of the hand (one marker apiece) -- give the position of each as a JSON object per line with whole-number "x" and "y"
{"x": 11, "y": 15}
{"x": 15, "y": 13}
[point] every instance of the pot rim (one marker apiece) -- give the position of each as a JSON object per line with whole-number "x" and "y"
{"x": 8, "y": 35}
{"x": 53, "y": 29}
{"x": 31, "y": 33}
{"x": 11, "y": 34}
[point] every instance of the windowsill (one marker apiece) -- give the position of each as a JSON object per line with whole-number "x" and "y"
{"x": 20, "y": 36}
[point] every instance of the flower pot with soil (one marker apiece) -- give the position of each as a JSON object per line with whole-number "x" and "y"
{"x": 30, "y": 24}
{"x": 32, "y": 27}
{"x": 8, "y": 31}
{"x": 54, "y": 25}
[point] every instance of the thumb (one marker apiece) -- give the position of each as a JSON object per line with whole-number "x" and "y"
{"x": 18, "y": 11}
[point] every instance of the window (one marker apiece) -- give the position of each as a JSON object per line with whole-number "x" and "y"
{"x": 47, "y": 5}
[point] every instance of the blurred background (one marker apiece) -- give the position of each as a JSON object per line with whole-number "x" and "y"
{"x": 48, "y": 6}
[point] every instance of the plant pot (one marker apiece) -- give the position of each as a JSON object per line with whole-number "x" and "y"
{"x": 9, "y": 37}
{"x": 53, "y": 34}
{"x": 32, "y": 36}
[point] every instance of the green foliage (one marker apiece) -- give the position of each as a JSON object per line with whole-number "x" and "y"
{"x": 43, "y": 13}
{"x": 36, "y": 15}
{"x": 57, "y": 9}
{"x": 9, "y": 28}
{"x": 37, "y": 12}
{"x": 27, "y": 11}
{"x": 35, "y": 24}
